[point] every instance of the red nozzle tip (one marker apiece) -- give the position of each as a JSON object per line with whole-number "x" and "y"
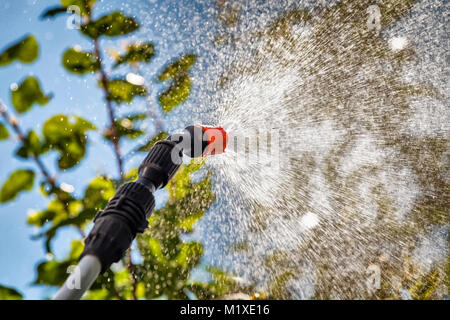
{"x": 217, "y": 140}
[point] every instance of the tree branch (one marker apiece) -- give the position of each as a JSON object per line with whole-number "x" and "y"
{"x": 132, "y": 269}
{"x": 13, "y": 122}
{"x": 115, "y": 139}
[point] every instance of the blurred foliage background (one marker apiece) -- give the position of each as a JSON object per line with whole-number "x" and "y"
{"x": 356, "y": 80}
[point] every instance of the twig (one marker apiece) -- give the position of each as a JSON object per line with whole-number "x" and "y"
{"x": 14, "y": 124}
{"x": 132, "y": 269}
{"x": 48, "y": 178}
{"x": 114, "y": 135}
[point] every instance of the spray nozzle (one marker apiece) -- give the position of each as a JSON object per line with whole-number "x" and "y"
{"x": 164, "y": 159}
{"x": 201, "y": 141}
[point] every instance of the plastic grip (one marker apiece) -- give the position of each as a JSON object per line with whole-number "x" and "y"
{"x": 161, "y": 163}
{"x": 117, "y": 225}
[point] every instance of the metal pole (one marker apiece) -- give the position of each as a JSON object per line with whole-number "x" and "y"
{"x": 80, "y": 280}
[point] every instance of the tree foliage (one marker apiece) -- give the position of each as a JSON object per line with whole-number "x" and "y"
{"x": 80, "y": 62}
{"x": 25, "y": 50}
{"x": 111, "y": 25}
{"x": 135, "y": 53}
{"x": 180, "y": 87}
{"x": 67, "y": 135}
{"x": 9, "y": 294}
{"x": 123, "y": 91}
{"x": 27, "y": 94}
{"x": 4, "y": 134}
{"x": 19, "y": 180}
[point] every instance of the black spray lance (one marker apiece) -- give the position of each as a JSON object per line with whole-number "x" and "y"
{"x": 127, "y": 213}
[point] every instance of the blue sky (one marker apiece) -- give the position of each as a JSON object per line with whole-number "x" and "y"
{"x": 19, "y": 254}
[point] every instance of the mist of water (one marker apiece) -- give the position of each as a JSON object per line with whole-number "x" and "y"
{"x": 360, "y": 162}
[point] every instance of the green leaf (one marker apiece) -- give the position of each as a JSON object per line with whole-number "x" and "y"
{"x": 99, "y": 294}
{"x": 98, "y": 193}
{"x": 123, "y": 282}
{"x": 34, "y": 143}
{"x": 180, "y": 88}
{"x": 131, "y": 175}
{"x": 25, "y": 50}
{"x": 4, "y": 134}
{"x": 9, "y": 294}
{"x": 137, "y": 52}
{"x": 31, "y": 146}
{"x": 190, "y": 254}
{"x": 80, "y": 62}
{"x": 40, "y": 218}
{"x": 111, "y": 25}
{"x": 123, "y": 91}
{"x": 176, "y": 93}
{"x": 187, "y": 224}
{"x": 136, "y": 116}
{"x": 126, "y": 127}
{"x": 54, "y": 273}
{"x": 155, "y": 247}
{"x": 27, "y": 94}
{"x": 61, "y": 125}
{"x": 19, "y": 180}
{"x": 181, "y": 186}
{"x": 76, "y": 249}
{"x": 178, "y": 67}
{"x": 59, "y": 214}
{"x": 52, "y": 12}
{"x": 55, "y": 212}
{"x": 160, "y": 136}
{"x": 68, "y": 136}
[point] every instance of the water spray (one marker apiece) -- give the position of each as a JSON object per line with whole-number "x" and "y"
{"x": 127, "y": 213}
